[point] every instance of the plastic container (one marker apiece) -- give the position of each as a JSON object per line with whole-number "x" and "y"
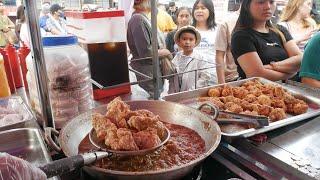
{"x": 4, "y": 85}
{"x": 68, "y": 78}
{"x": 103, "y": 35}
{"x": 13, "y": 110}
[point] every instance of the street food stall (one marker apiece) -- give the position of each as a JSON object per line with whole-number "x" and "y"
{"x": 193, "y": 137}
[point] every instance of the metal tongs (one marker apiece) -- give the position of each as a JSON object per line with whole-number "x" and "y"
{"x": 259, "y": 121}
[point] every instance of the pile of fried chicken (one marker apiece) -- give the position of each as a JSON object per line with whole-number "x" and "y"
{"x": 123, "y": 129}
{"x": 255, "y": 98}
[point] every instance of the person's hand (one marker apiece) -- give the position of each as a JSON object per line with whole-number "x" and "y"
{"x": 14, "y": 168}
{"x": 164, "y": 52}
{"x": 307, "y": 36}
{"x": 268, "y": 66}
{"x": 5, "y": 29}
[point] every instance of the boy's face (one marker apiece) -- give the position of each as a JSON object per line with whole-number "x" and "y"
{"x": 187, "y": 42}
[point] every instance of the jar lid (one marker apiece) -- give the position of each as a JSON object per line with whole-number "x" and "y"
{"x": 59, "y": 40}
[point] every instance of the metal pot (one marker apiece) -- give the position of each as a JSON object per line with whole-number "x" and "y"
{"x": 77, "y": 129}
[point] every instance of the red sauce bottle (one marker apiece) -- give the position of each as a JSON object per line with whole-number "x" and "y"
{"x": 23, "y": 53}
{"x": 15, "y": 65}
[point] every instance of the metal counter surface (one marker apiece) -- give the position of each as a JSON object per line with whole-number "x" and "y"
{"x": 291, "y": 152}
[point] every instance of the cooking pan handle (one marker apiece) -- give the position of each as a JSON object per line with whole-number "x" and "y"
{"x": 49, "y": 131}
{"x": 62, "y": 166}
{"x": 69, "y": 164}
{"x": 214, "y": 111}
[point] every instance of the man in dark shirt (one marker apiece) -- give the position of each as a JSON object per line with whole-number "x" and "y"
{"x": 139, "y": 35}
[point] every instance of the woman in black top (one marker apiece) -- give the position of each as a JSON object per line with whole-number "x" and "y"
{"x": 261, "y": 49}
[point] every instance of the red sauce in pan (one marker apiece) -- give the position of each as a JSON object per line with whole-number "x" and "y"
{"x": 183, "y": 146}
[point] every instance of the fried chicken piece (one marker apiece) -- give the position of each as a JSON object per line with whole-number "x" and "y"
{"x": 140, "y": 112}
{"x": 142, "y": 123}
{"x": 126, "y": 140}
{"x": 255, "y": 107}
{"x": 214, "y": 100}
{"x": 295, "y": 106}
{"x": 289, "y": 99}
{"x": 264, "y": 110}
{"x": 277, "y": 114}
{"x": 117, "y": 111}
{"x": 121, "y": 139}
{"x": 300, "y": 107}
{"x": 248, "y": 84}
{"x": 289, "y": 108}
{"x": 256, "y": 92}
{"x": 236, "y": 100}
{"x": 98, "y": 120}
{"x": 264, "y": 100}
{"x": 239, "y": 92}
{"x": 111, "y": 139}
{"x": 267, "y": 89}
{"x": 232, "y": 107}
{"x": 101, "y": 124}
{"x": 215, "y": 92}
{"x": 230, "y": 99}
{"x": 147, "y": 139}
{"x": 227, "y": 91}
{"x": 278, "y": 103}
{"x": 279, "y": 92}
{"x": 223, "y": 99}
{"x": 250, "y": 98}
{"x": 245, "y": 105}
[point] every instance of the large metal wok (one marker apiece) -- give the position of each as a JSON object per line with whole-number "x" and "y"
{"x": 77, "y": 129}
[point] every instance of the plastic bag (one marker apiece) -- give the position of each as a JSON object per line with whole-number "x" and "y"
{"x": 14, "y": 168}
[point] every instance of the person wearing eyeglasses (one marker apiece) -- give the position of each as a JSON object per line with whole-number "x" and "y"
{"x": 56, "y": 24}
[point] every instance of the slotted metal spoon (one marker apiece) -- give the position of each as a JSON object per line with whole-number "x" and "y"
{"x": 103, "y": 147}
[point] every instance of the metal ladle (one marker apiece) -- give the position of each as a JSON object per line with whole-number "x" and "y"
{"x": 103, "y": 147}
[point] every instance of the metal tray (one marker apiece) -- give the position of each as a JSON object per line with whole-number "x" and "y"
{"x": 25, "y": 143}
{"x": 17, "y": 106}
{"x": 190, "y": 98}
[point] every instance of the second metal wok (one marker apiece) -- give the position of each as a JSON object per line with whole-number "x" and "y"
{"x": 77, "y": 129}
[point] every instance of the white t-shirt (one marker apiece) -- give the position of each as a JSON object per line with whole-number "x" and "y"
{"x": 298, "y": 33}
{"x": 207, "y": 49}
{"x": 24, "y": 35}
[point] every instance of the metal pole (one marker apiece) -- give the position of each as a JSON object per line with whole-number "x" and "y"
{"x": 80, "y": 4}
{"x": 39, "y": 63}
{"x": 155, "y": 57}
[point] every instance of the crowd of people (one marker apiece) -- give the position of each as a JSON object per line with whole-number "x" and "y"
{"x": 246, "y": 44}
{"x": 51, "y": 22}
